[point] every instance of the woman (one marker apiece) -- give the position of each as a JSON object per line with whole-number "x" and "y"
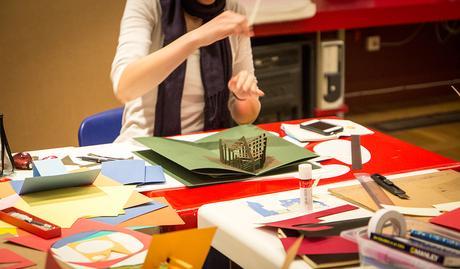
{"x": 183, "y": 66}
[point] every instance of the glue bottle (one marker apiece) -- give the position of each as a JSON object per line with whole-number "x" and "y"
{"x": 306, "y": 183}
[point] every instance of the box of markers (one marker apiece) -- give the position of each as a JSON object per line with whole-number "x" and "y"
{"x": 30, "y": 223}
{"x": 424, "y": 245}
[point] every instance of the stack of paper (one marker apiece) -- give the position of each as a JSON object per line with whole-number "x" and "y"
{"x": 199, "y": 163}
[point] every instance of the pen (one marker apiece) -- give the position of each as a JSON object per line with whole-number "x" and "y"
{"x": 93, "y": 159}
{"x": 107, "y": 157}
{"x": 30, "y": 220}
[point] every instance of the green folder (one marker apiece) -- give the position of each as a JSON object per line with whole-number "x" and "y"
{"x": 198, "y": 163}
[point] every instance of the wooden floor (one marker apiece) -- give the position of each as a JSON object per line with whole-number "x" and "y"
{"x": 443, "y": 139}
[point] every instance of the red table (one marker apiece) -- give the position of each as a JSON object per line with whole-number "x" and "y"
{"x": 340, "y": 14}
{"x": 389, "y": 156}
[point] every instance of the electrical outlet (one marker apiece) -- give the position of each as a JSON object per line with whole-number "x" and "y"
{"x": 373, "y": 43}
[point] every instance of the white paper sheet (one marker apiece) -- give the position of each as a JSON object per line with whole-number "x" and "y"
{"x": 340, "y": 150}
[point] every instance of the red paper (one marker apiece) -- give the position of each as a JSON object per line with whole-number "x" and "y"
{"x": 322, "y": 245}
{"x": 312, "y": 218}
{"x": 15, "y": 260}
{"x": 81, "y": 225}
{"x": 449, "y": 219}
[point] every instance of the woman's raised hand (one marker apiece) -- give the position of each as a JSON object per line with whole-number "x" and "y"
{"x": 244, "y": 86}
{"x": 225, "y": 24}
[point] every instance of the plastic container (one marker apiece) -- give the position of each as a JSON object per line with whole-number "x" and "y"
{"x": 376, "y": 255}
{"x": 55, "y": 231}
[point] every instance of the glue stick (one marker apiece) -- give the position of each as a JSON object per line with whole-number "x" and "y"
{"x": 306, "y": 184}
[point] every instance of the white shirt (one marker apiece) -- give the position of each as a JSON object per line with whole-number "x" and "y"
{"x": 140, "y": 35}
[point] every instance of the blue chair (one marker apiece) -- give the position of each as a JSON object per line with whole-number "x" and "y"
{"x": 100, "y": 128}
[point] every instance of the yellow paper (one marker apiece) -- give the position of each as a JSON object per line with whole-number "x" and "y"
{"x": 64, "y": 206}
{"x": 4, "y": 225}
{"x": 12, "y": 231}
{"x": 190, "y": 246}
{"x": 135, "y": 199}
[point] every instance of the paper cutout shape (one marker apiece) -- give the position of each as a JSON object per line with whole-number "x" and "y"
{"x": 48, "y": 167}
{"x": 299, "y": 223}
{"x": 98, "y": 247}
{"x": 322, "y": 245}
{"x": 132, "y": 172}
{"x": 330, "y": 170}
{"x": 191, "y": 246}
{"x": 198, "y": 163}
{"x": 414, "y": 211}
{"x": 447, "y": 206}
{"x": 164, "y": 216}
{"x": 341, "y": 150}
{"x": 246, "y": 154}
{"x": 334, "y": 227}
{"x": 82, "y": 225}
{"x": 12, "y": 260}
{"x": 131, "y": 213}
{"x": 449, "y": 220}
{"x": 52, "y": 182}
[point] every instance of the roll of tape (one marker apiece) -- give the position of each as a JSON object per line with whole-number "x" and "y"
{"x": 378, "y": 222}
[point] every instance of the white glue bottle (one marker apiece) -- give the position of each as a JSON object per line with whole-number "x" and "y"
{"x": 306, "y": 184}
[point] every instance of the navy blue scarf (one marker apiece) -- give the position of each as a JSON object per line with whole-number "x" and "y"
{"x": 215, "y": 64}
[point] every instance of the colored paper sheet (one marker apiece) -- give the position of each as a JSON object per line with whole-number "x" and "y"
{"x": 10, "y": 231}
{"x": 449, "y": 220}
{"x": 415, "y": 211}
{"x": 334, "y": 228}
{"x": 48, "y": 167}
{"x": 77, "y": 202}
{"x": 154, "y": 174}
{"x": 125, "y": 171}
{"x": 340, "y": 150}
{"x": 164, "y": 216}
{"x": 6, "y": 189}
{"x": 103, "y": 247}
{"x": 198, "y": 163}
{"x": 8, "y": 201}
{"x": 37, "y": 256}
{"x": 447, "y": 206}
{"x": 137, "y": 199}
{"x": 82, "y": 225}
{"x": 301, "y": 223}
{"x": 46, "y": 183}
{"x": 131, "y": 212}
{"x": 134, "y": 200}
{"x": 11, "y": 260}
{"x": 322, "y": 245}
{"x": 190, "y": 246}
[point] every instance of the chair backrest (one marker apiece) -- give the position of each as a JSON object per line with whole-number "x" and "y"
{"x": 100, "y": 128}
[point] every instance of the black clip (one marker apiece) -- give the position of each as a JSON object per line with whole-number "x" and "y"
{"x": 389, "y": 186}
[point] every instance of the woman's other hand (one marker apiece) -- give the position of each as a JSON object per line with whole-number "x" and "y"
{"x": 226, "y": 24}
{"x": 244, "y": 86}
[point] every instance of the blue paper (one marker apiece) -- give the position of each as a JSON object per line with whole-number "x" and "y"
{"x": 154, "y": 174}
{"x": 131, "y": 213}
{"x": 125, "y": 171}
{"x": 17, "y": 185}
{"x": 73, "y": 238}
{"x": 49, "y": 167}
